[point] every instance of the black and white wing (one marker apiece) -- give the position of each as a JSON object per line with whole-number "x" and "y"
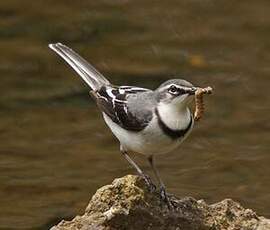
{"x": 113, "y": 101}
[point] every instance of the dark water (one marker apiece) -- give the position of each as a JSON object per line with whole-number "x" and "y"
{"x": 55, "y": 150}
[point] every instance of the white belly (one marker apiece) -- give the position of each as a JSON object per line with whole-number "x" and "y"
{"x": 150, "y": 141}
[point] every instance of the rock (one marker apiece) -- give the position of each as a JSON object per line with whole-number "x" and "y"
{"x": 126, "y": 204}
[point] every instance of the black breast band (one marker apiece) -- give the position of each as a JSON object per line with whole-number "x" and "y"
{"x": 173, "y": 133}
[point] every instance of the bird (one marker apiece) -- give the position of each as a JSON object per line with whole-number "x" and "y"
{"x": 145, "y": 121}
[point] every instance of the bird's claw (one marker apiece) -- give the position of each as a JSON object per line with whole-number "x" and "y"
{"x": 164, "y": 197}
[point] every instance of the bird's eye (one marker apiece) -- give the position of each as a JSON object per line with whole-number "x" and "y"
{"x": 173, "y": 89}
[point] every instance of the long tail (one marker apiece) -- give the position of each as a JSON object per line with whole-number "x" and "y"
{"x": 86, "y": 71}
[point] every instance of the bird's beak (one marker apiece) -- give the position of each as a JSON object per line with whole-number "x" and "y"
{"x": 191, "y": 91}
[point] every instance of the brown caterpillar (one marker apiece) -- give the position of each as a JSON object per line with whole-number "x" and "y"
{"x": 199, "y": 106}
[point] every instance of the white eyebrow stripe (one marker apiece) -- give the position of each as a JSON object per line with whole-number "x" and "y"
{"x": 168, "y": 86}
{"x": 177, "y": 86}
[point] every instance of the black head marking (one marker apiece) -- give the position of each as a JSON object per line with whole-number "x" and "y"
{"x": 172, "y": 89}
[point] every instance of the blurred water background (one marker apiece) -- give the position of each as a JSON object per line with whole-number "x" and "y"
{"x": 55, "y": 149}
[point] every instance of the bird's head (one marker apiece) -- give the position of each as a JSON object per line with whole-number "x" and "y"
{"x": 175, "y": 92}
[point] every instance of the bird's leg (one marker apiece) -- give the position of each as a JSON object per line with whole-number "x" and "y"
{"x": 163, "y": 193}
{"x": 151, "y": 186}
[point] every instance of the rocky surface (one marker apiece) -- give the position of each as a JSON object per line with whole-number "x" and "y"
{"x": 126, "y": 204}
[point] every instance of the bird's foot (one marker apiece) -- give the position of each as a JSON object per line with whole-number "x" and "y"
{"x": 164, "y": 197}
{"x": 149, "y": 183}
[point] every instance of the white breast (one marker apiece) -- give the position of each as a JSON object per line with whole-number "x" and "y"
{"x": 174, "y": 117}
{"x": 150, "y": 141}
